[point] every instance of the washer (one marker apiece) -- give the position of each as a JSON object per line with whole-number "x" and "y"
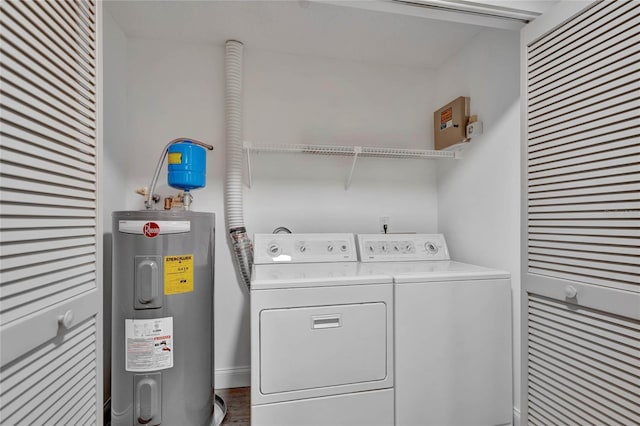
{"x": 452, "y": 330}
{"x": 321, "y": 334}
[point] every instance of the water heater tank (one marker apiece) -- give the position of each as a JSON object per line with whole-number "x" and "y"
{"x": 162, "y": 323}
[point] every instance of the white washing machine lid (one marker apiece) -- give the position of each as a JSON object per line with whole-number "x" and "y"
{"x": 431, "y": 271}
{"x": 302, "y": 275}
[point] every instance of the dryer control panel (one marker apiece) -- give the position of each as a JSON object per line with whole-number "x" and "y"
{"x": 303, "y": 248}
{"x": 402, "y": 247}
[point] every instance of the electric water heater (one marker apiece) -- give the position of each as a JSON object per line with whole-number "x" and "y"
{"x": 162, "y": 329}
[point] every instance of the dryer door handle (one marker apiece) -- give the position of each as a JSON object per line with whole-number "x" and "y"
{"x": 326, "y": 321}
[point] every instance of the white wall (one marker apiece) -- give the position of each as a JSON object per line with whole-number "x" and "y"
{"x": 478, "y": 196}
{"x": 176, "y": 89}
{"x": 114, "y": 153}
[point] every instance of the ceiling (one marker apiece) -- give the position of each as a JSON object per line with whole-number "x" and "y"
{"x": 325, "y": 29}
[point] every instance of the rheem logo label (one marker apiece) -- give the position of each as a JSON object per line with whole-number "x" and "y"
{"x": 151, "y": 229}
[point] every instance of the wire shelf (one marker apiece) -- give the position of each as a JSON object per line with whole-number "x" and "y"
{"x": 346, "y": 151}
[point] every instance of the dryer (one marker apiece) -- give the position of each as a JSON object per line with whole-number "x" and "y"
{"x": 452, "y": 329}
{"x": 321, "y": 334}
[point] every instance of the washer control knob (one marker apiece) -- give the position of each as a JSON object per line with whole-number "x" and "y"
{"x": 431, "y": 247}
{"x": 371, "y": 249}
{"x": 273, "y": 249}
{"x": 396, "y": 247}
{"x": 343, "y": 248}
{"x": 302, "y": 248}
{"x": 330, "y": 248}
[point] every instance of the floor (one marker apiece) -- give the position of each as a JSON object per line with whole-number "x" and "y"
{"x": 238, "y": 401}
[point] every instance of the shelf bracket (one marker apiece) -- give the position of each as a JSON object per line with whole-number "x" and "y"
{"x": 247, "y": 149}
{"x": 356, "y": 150}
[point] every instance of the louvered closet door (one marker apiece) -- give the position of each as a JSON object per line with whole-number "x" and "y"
{"x": 50, "y": 293}
{"x": 581, "y": 298}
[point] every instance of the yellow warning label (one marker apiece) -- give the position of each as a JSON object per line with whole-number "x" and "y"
{"x": 175, "y": 158}
{"x": 178, "y": 274}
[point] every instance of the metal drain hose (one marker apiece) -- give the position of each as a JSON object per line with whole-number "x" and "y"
{"x": 233, "y": 183}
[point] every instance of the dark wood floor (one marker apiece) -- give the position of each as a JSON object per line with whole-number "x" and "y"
{"x": 238, "y": 401}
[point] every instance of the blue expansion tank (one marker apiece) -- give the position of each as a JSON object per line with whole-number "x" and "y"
{"x": 187, "y": 166}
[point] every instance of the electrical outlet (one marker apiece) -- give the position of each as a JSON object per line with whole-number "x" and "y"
{"x": 385, "y": 224}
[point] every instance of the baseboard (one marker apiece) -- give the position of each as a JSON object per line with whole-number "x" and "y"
{"x": 516, "y": 416}
{"x": 235, "y": 377}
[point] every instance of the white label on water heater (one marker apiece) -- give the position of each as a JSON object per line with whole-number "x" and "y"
{"x": 149, "y": 344}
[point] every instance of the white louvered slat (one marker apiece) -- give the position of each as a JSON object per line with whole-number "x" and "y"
{"x": 44, "y": 211}
{"x": 583, "y": 102}
{"x": 42, "y": 175}
{"x": 11, "y": 132}
{"x": 11, "y": 262}
{"x": 570, "y": 134}
{"x": 50, "y": 243}
{"x": 621, "y": 110}
{"x": 32, "y": 382}
{"x": 13, "y": 278}
{"x": 581, "y": 99}
{"x": 61, "y": 294}
{"x": 609, "y": 59}
{"x": 584, "y": 199}
{"x": 43, "y": 414}
{"x": 573, "y": 151}
{"x": 536, "y": 50}
{"x": 595, "y": 255}
{"x": 601, "y": 244}
{"x": 583, "y": 86}
{"x": 582, "y": 216}
{"x": 23, "y": 159}
{"x": 67, "y": 29}
{"x": 576, "y": 230}
{"x": 67, "y": 49}
{"x": 20, "y": 145}
{"x": 15, "y": 184}
{"x": 33, "y": 89}
{"x": 571, "y": 415}
{"x": 582, "y": 40}
{"x": 537, "y": 190}
{"x": 57, "y": 240}
{"x": 31, "y": 228}
{"x": 23, "y": 94}
{"x": 581, "y": 355}
{"x": 81, "y": 397}
{"x": 43, "y": 130}
{"x": 37, "y": 288}
{"x": 569, "y": 373}
{"x": 607, "y": 169}
{"x": 29, "y": 108}
{"x": 23, "y": 41}
{"x": 47, "y": 78}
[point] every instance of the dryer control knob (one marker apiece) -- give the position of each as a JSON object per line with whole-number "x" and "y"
{"x": 330, "y": 248}
{"x": 303, "y": 249}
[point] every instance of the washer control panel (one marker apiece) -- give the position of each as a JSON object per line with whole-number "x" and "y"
{"x": 402, "y": 247}
{"x": 303, "y": 248}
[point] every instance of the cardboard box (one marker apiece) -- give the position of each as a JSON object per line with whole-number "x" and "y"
{"x": 450, "y": 123}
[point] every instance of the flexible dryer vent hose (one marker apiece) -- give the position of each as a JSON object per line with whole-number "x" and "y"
{"x": 233, "y": 184}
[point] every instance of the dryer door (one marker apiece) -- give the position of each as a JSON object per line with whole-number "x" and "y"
{"x": 319, "y": 347}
